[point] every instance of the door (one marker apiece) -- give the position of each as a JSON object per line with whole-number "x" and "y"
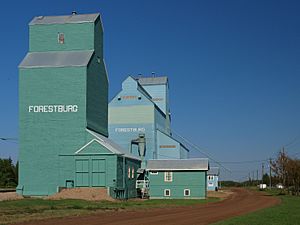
{"x": 98, "y": 173}
{"x": 82, "y": 172}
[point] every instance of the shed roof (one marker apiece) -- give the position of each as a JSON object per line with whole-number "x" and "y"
{"x": 213, "y": 171}
{"x": 76, "y": 18}
{"x": 111, "y": 146}
{"x": 178, "y": 164}
{"x": 152, "y": 80}
{"x": 56, "y": 59}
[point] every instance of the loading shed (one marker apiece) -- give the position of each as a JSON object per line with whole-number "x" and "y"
{"x": 177, "y": 179}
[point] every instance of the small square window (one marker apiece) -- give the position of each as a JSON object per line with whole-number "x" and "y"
{"x": 187, "y": 192}
{"x": 168, "y": 176}
{"x": 61, "y": 38}
{"x": 167, "y": 192}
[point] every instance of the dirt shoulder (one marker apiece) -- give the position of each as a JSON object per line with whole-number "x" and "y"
{"x": 241, "y": 201}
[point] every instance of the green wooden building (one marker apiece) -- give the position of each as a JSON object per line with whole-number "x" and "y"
{"x": 63, "y": 111}
{"x": 177, "y": 179}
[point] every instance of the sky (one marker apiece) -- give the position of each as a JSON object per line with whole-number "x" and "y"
{"x": 233, "y": 68}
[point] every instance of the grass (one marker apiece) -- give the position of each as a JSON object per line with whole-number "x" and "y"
{"x": 35, "y": 209}
{"x": 287, "y": 213}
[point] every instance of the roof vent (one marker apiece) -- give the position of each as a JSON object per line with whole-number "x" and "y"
{"x": 74, "y": 13}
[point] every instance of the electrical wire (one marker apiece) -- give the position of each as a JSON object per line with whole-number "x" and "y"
{"x": 201, "y": 151}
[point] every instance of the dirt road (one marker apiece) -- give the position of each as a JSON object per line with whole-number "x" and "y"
{"x": 240, "y": 202}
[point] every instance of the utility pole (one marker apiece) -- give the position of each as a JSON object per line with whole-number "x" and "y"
{"x": 270, "y": 173}
{"x": 249, "y": 179}
{"x": 256, "y": 176}
{"x": 262, "y": 173}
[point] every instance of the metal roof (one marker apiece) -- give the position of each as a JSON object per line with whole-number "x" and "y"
{"x": 152, "y": 80}
{"x": 177, "y": 164}
{"x": 213, "y": 171}
{"x": 111, "y": 146}
{"x": 56, "y": 59}
{"x": 76, "y": 18}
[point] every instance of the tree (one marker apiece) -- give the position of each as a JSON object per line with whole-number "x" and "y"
{"x": 288, "y": 172}
{"x": 8, "y": 173}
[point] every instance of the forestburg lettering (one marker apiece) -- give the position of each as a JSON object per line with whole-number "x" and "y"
{"x": 52, "y": 108}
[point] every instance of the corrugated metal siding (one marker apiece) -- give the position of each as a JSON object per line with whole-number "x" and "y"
{"x": 56, "y": 59}
{"x": 176, "y": 164}
{"x": 77, "y": 18}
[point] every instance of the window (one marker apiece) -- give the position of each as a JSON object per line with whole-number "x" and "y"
{"x": 210, "y": 177}
{"x": 128, "y": 172}
{"x": 154, "y": 173}
{"x": 132, "y": 172}
{"x": 187, "y": 192}
{"x": 168, "y": 176}
{"x": 167, "y": 192}
{"x": 61, "y": 38}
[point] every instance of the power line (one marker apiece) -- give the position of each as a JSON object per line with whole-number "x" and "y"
{"x": 8, "y": 139}
{"x": 11, "y": 140}
{"x": 201, "y": 151}
{"x": 243, "y": 162}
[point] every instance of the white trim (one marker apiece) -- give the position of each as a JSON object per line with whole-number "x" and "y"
{"x": 83, "y": 147}
{"x": 185, "y": 191}
{"x": 168, "y": 169}
{"x": 154, "y": 172}
{"x": 171, "y": 176}
{"x": 165, "y": 192}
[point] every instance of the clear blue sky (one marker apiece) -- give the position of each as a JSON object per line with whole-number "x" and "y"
{"x": 234, "y": 67}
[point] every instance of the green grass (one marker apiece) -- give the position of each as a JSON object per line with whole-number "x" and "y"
{"x": 287, "y": 213}
{"x": 35, "y": 209}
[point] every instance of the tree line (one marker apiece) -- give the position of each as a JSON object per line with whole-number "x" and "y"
{"x": 8, "y": 173}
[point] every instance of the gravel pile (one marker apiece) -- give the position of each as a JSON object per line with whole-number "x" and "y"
{"x": 90, "y": 194}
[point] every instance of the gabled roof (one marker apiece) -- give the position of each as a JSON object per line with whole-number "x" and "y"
{"x": 76, "y": 18}
{"x": 178, "y": 164}
{"x": 152, "y": 80}
{"x": 56, "y": 59}
{"x": 213, "y": 171}
{"x": 111, "y": 146}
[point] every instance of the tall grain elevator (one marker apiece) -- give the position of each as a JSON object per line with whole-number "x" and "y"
{"x": 63, "y": 111}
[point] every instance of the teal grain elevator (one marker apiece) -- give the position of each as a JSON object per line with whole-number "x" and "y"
{"x": 63, "y": 111}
